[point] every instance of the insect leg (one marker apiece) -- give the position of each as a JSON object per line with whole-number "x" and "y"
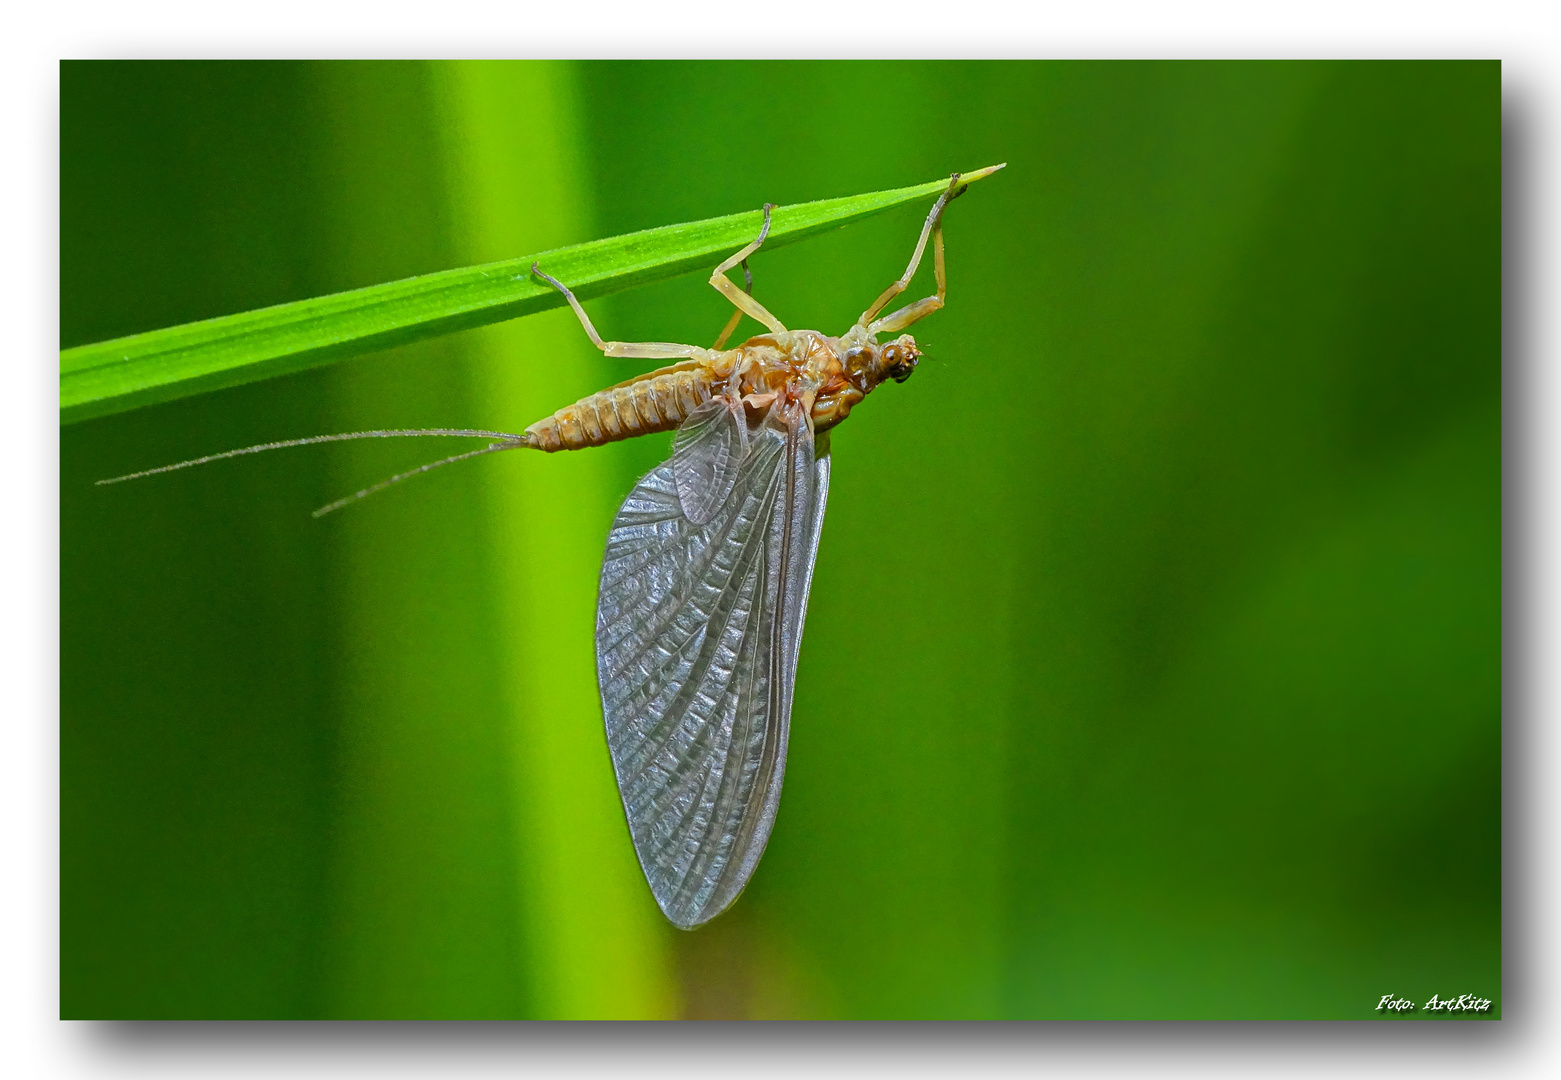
{"x": 746, "y": 304}
{"x": 635, "y": 350}
{"x": 907, "y": 315}
{"x": 737, "y": 316}
{"x": 899, "y": 320}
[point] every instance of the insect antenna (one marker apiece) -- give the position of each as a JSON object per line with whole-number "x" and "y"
{"x": 505, "y": 441}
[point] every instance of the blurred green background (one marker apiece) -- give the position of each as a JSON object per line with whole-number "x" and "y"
{"x": 1153, "y": 662}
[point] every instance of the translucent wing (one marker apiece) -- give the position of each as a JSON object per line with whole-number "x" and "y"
{"x": 697, "y": 630}
{"x": 706, "y": 453}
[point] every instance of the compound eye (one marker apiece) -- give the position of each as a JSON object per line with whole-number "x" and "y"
{"x": 898, "y": 363}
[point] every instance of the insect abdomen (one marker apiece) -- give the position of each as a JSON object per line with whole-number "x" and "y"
{"x": 635, "y": 408}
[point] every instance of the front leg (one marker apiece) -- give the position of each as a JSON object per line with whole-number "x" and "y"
{"x": 902, "y": 318}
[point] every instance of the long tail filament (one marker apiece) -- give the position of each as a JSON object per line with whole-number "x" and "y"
{"x": 503, "y": 440}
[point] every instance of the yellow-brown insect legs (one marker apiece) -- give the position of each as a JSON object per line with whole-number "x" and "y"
{"x": 742, "y": 299}
{"x": 737, "y": 316}
{"x": 899, "y": 320}
{"x": 634, "y": 350}
{"x": 585, "y": 320}
{"x": 746, "y": 304}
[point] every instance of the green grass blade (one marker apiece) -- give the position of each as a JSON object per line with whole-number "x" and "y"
{"x": 129, "y": 372}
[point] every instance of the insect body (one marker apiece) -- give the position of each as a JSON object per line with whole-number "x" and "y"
{"x": 705, "y": 578}
{"x": 835, "y": 373}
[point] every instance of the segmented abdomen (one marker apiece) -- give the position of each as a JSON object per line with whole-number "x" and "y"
{"x": 657, "y": 403}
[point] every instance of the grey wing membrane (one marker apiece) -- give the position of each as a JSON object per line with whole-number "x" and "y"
{"x": 697, "y": 629}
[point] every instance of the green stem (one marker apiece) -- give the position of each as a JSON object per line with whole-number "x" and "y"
{"x": 143, "y": 369}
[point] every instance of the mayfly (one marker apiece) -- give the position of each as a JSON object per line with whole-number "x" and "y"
{"x": 705, "y": 580}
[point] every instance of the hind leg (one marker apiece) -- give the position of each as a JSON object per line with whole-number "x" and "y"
{"x": 634, "y": 350}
